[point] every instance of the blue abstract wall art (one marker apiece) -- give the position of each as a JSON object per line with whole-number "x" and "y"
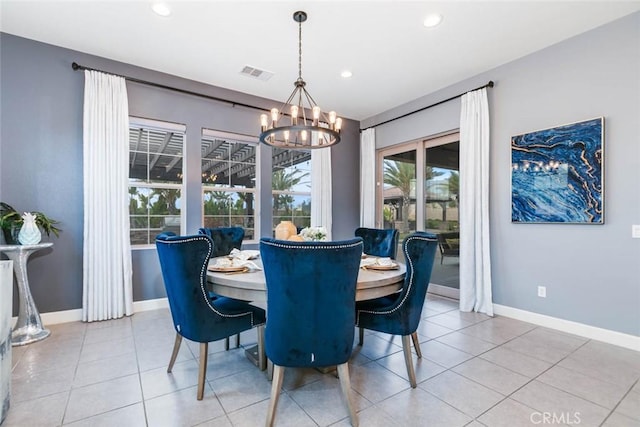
{"x": 557, "y": 174}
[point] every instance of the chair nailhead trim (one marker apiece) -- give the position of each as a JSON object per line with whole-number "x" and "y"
{"x": 203, "y": 271}
{"x": 328, "y": 246}
{"x": 410, "y": 285}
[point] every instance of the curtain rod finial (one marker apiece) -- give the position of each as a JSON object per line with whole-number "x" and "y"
{"x": 75, "y": 66}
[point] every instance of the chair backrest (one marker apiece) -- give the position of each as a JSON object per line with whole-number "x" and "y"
{"x": 224, "y": 239}
{"x": 311, "y": 290}
{"x": 405, "y": 312}
{"x": 184, "y": 261}
{"x": 379, "y": 242}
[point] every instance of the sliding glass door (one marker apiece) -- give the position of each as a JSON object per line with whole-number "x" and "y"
{"x": 430, "y": 203}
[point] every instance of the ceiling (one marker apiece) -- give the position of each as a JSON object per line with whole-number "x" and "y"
{"x": 393, "y": 57}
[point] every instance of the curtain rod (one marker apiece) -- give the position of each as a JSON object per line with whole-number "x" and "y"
{"x": 77, "y": 67}
{"x": 489, "y": 84}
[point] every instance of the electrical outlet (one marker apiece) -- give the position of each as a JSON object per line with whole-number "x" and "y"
{"x": 542, "y": 291}
{"x": 635, "y": 231}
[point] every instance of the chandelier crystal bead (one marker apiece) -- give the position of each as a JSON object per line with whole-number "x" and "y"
{"x": 304, "y": 130}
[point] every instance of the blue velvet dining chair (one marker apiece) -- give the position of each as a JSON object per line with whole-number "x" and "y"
{"x": 197, "y": 317}
{"x": 225, "y": 239}
{"x": 379, "y": 242}
{"x": 400, "y": 313}
{"x": 311, "y": 290}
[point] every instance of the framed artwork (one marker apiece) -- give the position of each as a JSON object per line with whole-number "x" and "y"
{"x": 557, "y": 174}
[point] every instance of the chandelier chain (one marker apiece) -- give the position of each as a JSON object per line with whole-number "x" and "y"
{"x": 300, "y": 50}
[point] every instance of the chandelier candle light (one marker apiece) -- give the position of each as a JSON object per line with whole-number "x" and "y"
{"x": 302, "y": 131}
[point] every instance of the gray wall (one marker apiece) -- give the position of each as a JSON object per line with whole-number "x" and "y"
{"x": 592, "y": 272}
{"x": 41, "y": 156}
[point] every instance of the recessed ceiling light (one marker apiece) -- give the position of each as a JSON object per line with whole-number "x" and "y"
{"x": 161, "y": 9}
{"x": 346, "y": 74}
{"x": 432, "y": 20}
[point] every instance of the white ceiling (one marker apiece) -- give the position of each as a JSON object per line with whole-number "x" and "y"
{"x": 393, "y": 57}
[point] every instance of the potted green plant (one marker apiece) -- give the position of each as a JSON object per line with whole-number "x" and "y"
{"x": 11, "y": 222}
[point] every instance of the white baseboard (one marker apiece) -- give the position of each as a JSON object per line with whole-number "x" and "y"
{"x": 66, "y": 316}
{"x": 592, "y": 332}
{"x": 444, "y": 291}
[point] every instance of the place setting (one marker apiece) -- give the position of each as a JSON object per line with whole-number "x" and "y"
{"x": 369, "y": 262}
{"x": 237, "y": 262}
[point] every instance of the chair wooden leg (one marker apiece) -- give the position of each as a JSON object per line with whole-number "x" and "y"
{"x": 408, "y": 360}
{"x": 276, "y": 386}
{"x": 237, "y": 340}
{"x": 345, "y": 384}
{"x": 226, "y": 344}
{"x": 360, "y": 336}
{"x": 176, "y": 348}
{"x": 202, "y": 370}
{"x": 269, "y": 370}
{"x": 416, "y": 344}
{"x": 262, "y": 357}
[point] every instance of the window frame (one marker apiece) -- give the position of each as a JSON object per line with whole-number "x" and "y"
{"x": 243, "y": 139}
{"x": 163, "y": 126}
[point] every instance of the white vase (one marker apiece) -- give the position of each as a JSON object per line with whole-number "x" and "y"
{"x": 29, "y": 233}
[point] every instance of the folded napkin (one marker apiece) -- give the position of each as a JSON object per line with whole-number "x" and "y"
{"x": 223, "y": 262}
{"x": 244, "y": 255}
{"x": 384, "y": 261}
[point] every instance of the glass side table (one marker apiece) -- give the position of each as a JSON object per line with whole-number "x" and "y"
{"x": 29, "y": 327}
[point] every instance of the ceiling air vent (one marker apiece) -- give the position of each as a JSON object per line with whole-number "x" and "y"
{"x": 256, "y": 73}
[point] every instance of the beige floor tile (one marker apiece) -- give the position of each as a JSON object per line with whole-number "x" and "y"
{"x": 423, "y": 368}
{"x": 510, "y": 413}
{"x": 373, "y": 416}
{"x": 42, "y": 383}
{"x": 618, "y": 420}
{"x": 298, "y": 377}
{"x": 103, "y": 397}
{"x": 376, "y": 383}
{"x": 129, "y": 416}
{"x": 221, "y": 421}
{"x": 544, "y": 344}
{"x": 630, "y": 406}
{"x": 105, "y": 369}
{"x": 181, "y": 408}
{"x": 490, "y": 375}
{"x": 288, "y": 414}
{"x": 417, "y": 408}
{"x": 242, "y": 389}
{"x": 606, "y": 362}
{"x": 498, "y": 330}
{"x": 560, "y": 404}
{"x": 443, "y": 355}
{"x": 516, "y": 362}
{"x": 463, "y": 394}
{"x": 158, "y": 355}
{"x": 466, "y": 343}
{"x": 42, "y": 412}
{"x": 431, "y": 330}
{"x": 324, "y": 402}
{"x": 105, "y": 349}
{"x": 156, "y": 382}
{"x": 591, "y": 389}
{"x": 375, "y": 347}
{"x": 450, "y": 321}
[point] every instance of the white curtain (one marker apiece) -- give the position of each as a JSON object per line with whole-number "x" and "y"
{"x": 107, "y": 277}
{"x": 321, "y": 198}
{"x": 368, "y": 178}
{"x": 475, "y": 253}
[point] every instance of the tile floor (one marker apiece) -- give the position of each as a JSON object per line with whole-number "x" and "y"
{"x": 475, "y": 371}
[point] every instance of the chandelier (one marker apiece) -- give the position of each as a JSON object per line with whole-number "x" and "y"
{"x": 302, "y": 131}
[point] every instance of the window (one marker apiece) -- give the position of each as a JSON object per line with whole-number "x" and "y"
{"x": 229, "y": 190}
{"x": 155, "y": 179}
{"x": 291, "y": 186}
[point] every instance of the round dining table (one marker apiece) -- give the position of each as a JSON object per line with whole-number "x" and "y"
{"x": 251, "y": 285}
